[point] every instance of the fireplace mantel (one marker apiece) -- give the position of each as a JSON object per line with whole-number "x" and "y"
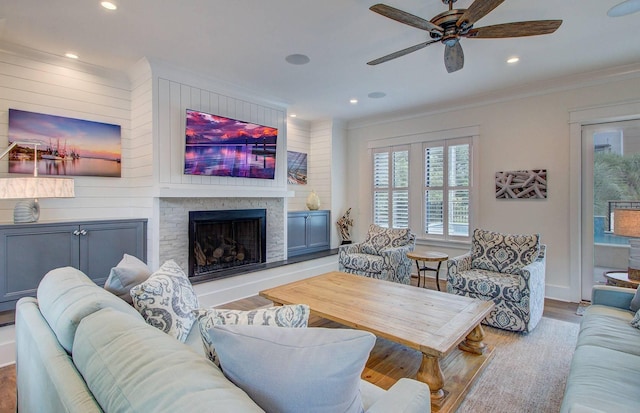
{"x": 208, "y": 191}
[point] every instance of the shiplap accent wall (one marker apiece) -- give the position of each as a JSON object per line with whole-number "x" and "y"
{"x": 299, "y": 140}
{"x": 51, "y": 85}
{"x": 141, "y": 153}
{"x": 319, "y": 166}
{"x": 174, "y": 98}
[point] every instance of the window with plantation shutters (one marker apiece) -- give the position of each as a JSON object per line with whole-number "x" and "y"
{"x": 391, "y": 187}
{"x": 447, "y": 188}
{"x": 424, "y": 182}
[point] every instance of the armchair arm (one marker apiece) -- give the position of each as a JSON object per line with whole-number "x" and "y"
{"x": 349, "y": 248}
{"x": 459, "y": 263}
{"x": 406, "y": 396}
{"x": 611, "y": 296}
{"x": 534, "y": 273}
{"x": 396, "y": 266}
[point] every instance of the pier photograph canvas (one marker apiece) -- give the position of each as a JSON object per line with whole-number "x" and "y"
{"x": 220, "y": 146}
{"x": 65, "y": 146}
{"x": 296, "y": 168}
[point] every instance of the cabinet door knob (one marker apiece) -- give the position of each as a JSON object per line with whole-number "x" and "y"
{"x": 83, "y": 232}
{"x": 76, "y": 232}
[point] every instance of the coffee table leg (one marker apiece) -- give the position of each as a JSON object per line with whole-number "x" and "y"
{"x": 431, "y": 374}
{"x": 473, "y": 342}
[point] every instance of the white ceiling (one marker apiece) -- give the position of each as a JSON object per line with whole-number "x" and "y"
{"x": 244, "y": 43}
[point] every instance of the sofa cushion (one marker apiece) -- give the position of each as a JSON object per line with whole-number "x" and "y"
{"x": 488, "y": 284}
{"x": 132, "y": 367}
{"x": 503, "y": 253}
{"x": 308, "y": 370}
{"x": 295, "y": 316}
{"x": 66, "y": 295}
{"x": 129, "y": 272}
{"x": 609, "y": 327}
{"x": 379, "y": 238}
{"x": 603, "y": 379}
{"x": 166, "y": 300}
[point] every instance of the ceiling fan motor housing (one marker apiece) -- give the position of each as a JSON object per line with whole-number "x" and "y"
{"x": 448, "y": 21}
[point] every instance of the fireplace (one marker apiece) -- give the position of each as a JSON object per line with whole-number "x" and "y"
{"x": 225, "y": 243}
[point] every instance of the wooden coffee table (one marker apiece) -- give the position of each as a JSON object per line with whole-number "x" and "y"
{"x": 432, "y": 322}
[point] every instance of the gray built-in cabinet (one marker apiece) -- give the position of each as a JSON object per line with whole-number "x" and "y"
{"x": 308, "y": 231}
{"x": 29, "y": 251}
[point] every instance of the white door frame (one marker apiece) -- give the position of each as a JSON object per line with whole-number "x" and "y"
{"x": 577, "y": 119}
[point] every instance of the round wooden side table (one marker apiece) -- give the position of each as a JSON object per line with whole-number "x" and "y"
{"x": 620, "y": 279}
{"x": 425, "y": 257}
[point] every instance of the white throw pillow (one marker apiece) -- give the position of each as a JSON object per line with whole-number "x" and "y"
{"x": 311, "y": 370}
{"x": 129, "y": 272}
{"x": 166, "y": 300}
{"x": 296, "y": 315}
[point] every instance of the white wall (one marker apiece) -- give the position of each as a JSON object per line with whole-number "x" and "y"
{"x": 526, "y": 132}
{"x": 44, "y": 84}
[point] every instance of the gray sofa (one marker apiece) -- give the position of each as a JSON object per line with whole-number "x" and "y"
{"x": 605, "y": 369}
{"x": 82, "y": 349}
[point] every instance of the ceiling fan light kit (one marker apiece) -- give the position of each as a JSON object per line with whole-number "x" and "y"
{"x": 452, "y": 25}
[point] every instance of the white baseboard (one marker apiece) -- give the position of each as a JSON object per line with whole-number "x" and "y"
{"x": 561, "y": 293}
{"x": 7, "y": 345}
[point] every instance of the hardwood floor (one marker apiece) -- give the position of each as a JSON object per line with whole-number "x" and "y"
{"x": 388, "y": 360}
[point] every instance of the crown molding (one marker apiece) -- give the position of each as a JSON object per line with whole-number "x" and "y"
{"x": 538, "y": 88}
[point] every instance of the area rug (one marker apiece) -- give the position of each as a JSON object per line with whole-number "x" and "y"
{"x": 528, "y": 372}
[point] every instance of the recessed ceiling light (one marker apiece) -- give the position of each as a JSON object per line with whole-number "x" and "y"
{"x": 297, "y": 59}
{"x": 71, "y": 55}
{"x": 293, "y": 115}
{"x": 513, "y": 60}
{"x": 377, "y": 95}
{"x": 353, "y": 101}
{"x": 625, "y": 8}
{"x": 108, "y": 5}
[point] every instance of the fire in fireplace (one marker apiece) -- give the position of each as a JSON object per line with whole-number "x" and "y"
{"x": 225, "y": 243}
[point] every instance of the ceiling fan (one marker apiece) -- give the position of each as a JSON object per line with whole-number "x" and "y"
{"x": 452, "y": 25}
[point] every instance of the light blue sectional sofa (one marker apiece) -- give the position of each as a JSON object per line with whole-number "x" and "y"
{"x": 82, "y": 349}
{"x": 605, "y": 369}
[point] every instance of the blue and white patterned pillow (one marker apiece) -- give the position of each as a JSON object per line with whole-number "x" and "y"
{"x": 379, "y": 238}
{"x": 296, "y": 315}
{"x": 503, "y": 253}
{"x": 166, "y": 300}
{"x": 636, "y": 320}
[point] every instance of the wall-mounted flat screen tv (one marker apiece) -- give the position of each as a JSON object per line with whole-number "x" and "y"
{"x": 220, "y": 146}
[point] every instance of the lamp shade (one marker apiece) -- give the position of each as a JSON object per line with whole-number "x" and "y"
{"x": 35, "y": 187}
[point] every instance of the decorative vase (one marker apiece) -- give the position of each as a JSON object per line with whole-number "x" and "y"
{"x": 313, "y": 202}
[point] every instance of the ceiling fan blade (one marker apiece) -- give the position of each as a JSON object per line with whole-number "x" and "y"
{"x": 477, "y": 10}
{"x": 453, "y": 57}
{"x": 400, "y": 53}
{"x": 515, "y": 29}
{"x": 404, "y": 17}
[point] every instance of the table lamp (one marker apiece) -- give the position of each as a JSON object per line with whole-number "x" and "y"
{"x": 32, "y": 188}
{"x": 626, "y": 222}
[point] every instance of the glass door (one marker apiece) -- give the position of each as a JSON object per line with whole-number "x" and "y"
{"x": 610, "y": 180}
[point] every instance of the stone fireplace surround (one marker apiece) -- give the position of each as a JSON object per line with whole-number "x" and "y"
{"x": 174, "y": 224}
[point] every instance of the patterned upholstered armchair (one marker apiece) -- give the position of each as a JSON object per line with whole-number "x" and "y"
{"x": 383, "y": 255}
{"x": 508, "y": 269}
